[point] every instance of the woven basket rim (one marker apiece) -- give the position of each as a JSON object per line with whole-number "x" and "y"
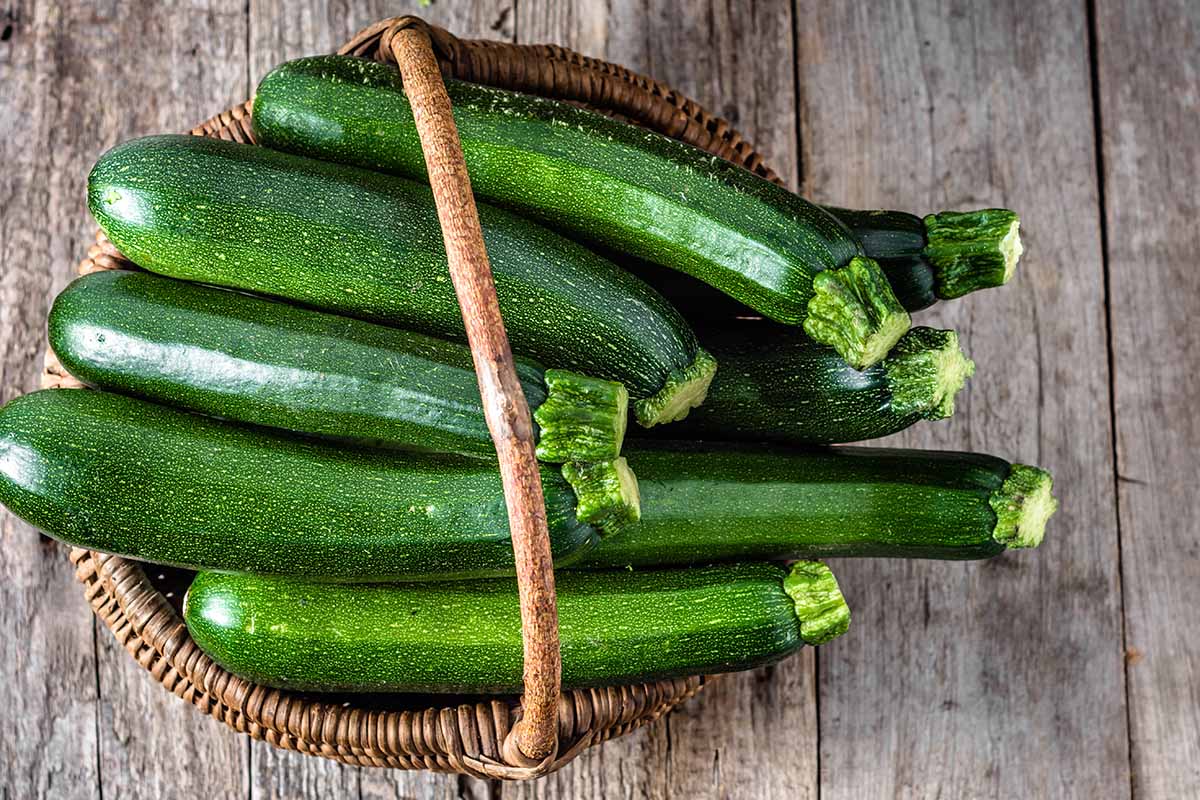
{"x": 465, "y": 738}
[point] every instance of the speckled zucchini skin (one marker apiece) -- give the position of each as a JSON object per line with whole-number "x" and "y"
{"x": 268, "y": 363}
{"x": 709, "y": 502}
{"x": 369, "y": 245}
{"x": 603, "y": 181}
{"x": 465, "y": 637}
{"x": 124, "y": 476}
{"x": 897, "y": 241}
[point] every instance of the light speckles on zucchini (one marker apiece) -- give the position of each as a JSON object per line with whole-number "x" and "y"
{"x": 378, "y": 236}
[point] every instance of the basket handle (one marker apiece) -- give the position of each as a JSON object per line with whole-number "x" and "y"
{"x": 534, "y": 738}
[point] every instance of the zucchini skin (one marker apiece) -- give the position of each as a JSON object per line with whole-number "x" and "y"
{"x": 369, "y": 245}
{"x": 708, "y": 309}
{"x": 601, "y": 180}
{"x": 124, "y": 476}
{"x": 465, "y": 637}
{"x": 897, "y": 241}
{"x": 778, "y": 385}
{"x": 938, "y": 257}
{"x": 709, "y": 502}
{"x": 267, "y": 363}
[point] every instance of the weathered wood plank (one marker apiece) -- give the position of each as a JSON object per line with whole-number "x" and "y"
{"x": 750, "y": 735}
{"x": 280, "y": 31}
{"x": 1148, "y": 58}
{"x": 83, "y": 89}
{"x": 161, "y": 69}
{"x": 48, "y": 698}
{"x": 1001, "y": 679}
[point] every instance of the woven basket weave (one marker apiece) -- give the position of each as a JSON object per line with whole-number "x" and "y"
{"x": 467, "y": 737}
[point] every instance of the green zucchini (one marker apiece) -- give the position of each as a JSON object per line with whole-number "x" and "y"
{"x": 614, "y": 627}
{"x": 369, "y": 245}
{"x": 938, "y": 257}
{"x": 941, "y": 256}
{"x": 706, "y": 503}
{"x": 255, "y": 360}
{"x": 604, "y": 182}
{"x": 124, "y": 476}
{"x": 776, "y": 385}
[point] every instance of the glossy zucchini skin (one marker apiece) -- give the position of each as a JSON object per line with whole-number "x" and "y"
{"x": 603, "y": 181}
{"x": 369, "y": 245}
{"x": 896, "y": 240}
{"x": 968, "y": 253}
{"x": 465, "y": 637}
{"x": 124, "y": 476}
{"x": 777, "y": 385}
{"x": 939, "y": 256}
{"x": 709, "y": 502}
{"x": 264, "y": 362}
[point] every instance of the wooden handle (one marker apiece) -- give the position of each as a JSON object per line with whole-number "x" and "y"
{"x": 504, "y": 403}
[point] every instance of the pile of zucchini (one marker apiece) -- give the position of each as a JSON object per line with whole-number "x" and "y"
{"x": 281, "y": 398}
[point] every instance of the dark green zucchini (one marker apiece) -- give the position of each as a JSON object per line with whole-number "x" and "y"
{"x": 604, "y": 182}
{"x": 254, "y": 360}
{"x": 778, "y": 385}
{"x": 120, "y": 475}
{"x": 706, "y": 503}
{"x": 465, "y": 637}
{"x": 369, "y": 245}
{"x": 938, "y": 257}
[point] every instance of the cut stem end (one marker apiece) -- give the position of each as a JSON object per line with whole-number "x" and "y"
{"x": 1023, "y": 504}
{"x": 926, "y": 369}
{"x": 581, "y": 419}
{"x": 820, "y": 607}
{"x": 607, "y": 494}
{"x": 972, "y": 250}
{"x": 683, "y": 391}
{"x": 855, "y": 311}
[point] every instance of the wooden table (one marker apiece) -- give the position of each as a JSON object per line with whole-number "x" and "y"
{"x": 1066, "y": 672}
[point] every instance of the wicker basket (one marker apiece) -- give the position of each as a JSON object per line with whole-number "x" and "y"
{"x": 474, "y": 737}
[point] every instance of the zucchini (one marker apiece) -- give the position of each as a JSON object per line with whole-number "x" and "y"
{"x": 124, "y": 476}
{"x": 606, "y": 183}
{"x": 255, "y": 360}
{"x": 705, "y": 503}
{"x": 783, "y": 387}
{"x": 941, "y": 256}
{"x": 369, "y": 245}
{"x": 614, "y": 628}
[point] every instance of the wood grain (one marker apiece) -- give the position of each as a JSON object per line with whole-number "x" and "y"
{"x": 1148, "y": 68}
{"x": 998, "y": 679}
{"x": 751, "y": 735}
{"x": 48, "y": 696}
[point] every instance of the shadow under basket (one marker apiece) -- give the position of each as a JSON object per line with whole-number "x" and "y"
{"x": 140, "y": 603}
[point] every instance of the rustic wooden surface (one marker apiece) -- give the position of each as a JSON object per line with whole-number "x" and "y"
{"x": 1069, "y": 672}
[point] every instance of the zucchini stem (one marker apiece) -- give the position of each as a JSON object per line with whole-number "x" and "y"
{"x": 925, "y": 370}
{"x": 1023, "y": 504}
{"x": 855, "y": 311}
{"x": 581, "y": 419}
{"x": 972, "y": 250}
{"x": 820, "y": 607}
{"x": 606, "y": 492}
{"x": 683, "y": 391}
